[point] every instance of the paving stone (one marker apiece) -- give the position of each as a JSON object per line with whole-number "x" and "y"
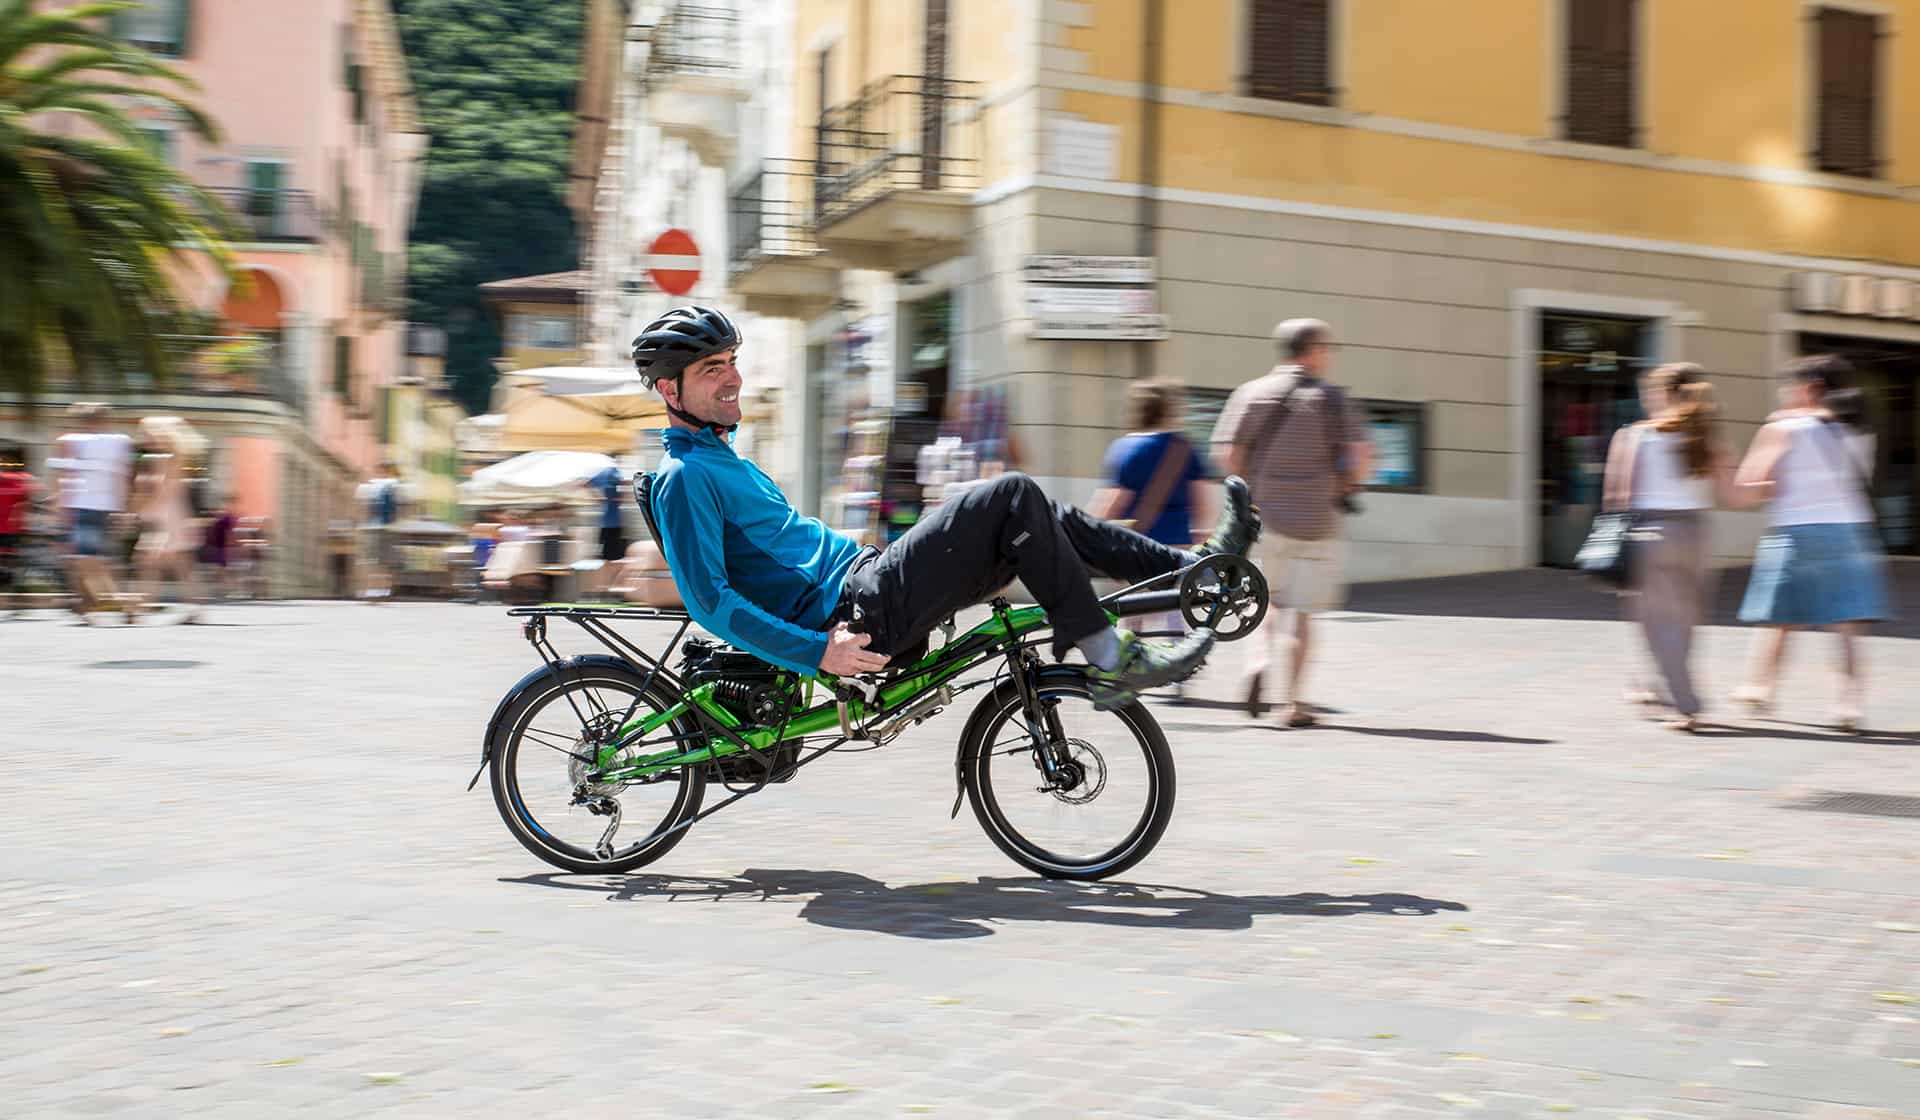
{"x": 274, "y": 852}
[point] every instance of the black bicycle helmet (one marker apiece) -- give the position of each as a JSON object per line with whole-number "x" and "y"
{"x": 680, "y": 338}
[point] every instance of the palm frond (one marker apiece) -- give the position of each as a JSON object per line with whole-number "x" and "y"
{"x": 88, "y": 222}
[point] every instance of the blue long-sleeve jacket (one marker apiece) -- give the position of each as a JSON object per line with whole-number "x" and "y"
{"x": 750, "y": 568}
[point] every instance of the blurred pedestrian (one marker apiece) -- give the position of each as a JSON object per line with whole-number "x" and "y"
{"x": 610, "y": 488}
{"x": 1670, "y": 470}
{"x": 1156, "y": 481}
{"x": 94, "y": 472}
{"x": 170, "y": 534}
{"x": 1819, "y": 563}
{"x": 1302, "y": 444}
{"x": 383, "y": 501}
{"x": 17, "y": 492}
{"x": 217, "y": 559}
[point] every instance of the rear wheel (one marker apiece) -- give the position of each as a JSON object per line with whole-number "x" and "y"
{"x": 543, "y": 754}
{"x": 1089, "y": 801}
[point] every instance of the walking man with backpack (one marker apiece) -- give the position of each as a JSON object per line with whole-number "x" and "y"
{"x": 383, "y": 500}
{"x": 1302, "y": 444}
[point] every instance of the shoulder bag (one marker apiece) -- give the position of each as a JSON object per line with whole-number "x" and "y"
{"x": 1153, "y": 500}
{"x": 1607, "y": 555}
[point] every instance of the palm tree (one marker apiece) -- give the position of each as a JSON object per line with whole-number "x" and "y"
{"x": 89, "y": 220}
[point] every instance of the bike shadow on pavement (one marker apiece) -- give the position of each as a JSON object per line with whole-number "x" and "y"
{"x": 972, "y": 908}
{"x": 1424, "y": 734}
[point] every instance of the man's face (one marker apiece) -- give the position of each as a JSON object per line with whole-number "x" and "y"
{"x": 709, "y": 389}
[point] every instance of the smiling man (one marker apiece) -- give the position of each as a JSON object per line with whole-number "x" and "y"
{"x": 798, "y": 595}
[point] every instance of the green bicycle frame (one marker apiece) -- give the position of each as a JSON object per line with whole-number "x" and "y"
{"x": 927, "y": 674}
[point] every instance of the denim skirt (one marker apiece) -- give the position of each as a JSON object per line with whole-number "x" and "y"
{"x": 1817, "y": 575}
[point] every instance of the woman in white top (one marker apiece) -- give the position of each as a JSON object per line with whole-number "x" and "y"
{"x": 169, "y": 530}
{"x": 1819, "y": 563}
{"x": 1669, "y": 471}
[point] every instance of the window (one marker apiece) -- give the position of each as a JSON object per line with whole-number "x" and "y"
{"x": 1289, "y": 51}
{"x": 160, "y": 141}
{"x": 158, "y": 25}
{"x": 265, "y": 212}
{"x": 1398, "y": 431}
{"x": 1848, "y": 87}
{"x": 1599, "y": 72}
{"x": 543, "y": 332}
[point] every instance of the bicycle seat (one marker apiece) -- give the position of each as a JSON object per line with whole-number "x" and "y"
{"x": 643, "y": 497}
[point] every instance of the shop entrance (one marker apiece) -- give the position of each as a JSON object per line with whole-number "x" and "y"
{"x": 1889, "y": 373}
{"x": 1589, "y": 368}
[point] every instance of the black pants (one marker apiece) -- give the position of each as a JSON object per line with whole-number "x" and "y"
{"x": 979, "y": 541}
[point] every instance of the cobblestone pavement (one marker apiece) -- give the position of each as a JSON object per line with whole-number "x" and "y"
{"x": 240, "y": 875}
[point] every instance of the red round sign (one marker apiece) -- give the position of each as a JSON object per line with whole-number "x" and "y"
{"x": 673, "y": 262}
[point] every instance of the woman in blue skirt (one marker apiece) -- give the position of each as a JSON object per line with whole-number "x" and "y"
{"x": 1819, "y": 563}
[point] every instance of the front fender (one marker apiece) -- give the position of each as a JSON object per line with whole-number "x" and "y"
{"x": 1006, "y": 692}
{"x": 518, "y": 690}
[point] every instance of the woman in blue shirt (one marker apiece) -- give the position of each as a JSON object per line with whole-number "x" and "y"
{"x": 1156, "y": 478}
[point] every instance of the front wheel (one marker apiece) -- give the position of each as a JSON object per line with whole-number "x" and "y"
{"x": 1088, "y": 800}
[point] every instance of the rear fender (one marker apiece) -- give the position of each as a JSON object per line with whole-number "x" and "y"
{"x": 537, "y": 676}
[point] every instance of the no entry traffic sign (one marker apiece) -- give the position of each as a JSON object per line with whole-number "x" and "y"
{"x": 673, "y": 262}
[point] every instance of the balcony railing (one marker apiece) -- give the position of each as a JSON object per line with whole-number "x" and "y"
{"x": 238, "y": 365}
{"x": 902, "y": 133}
{"x": 695, "y": 40}
{"x": 769, "y": 215}
{"x": 202, "y": 365}
{"x": 272, "y": 215}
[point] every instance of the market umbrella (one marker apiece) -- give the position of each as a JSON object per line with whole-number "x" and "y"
{"x": 536, "y": 477}
{"x": 573, "y": 409}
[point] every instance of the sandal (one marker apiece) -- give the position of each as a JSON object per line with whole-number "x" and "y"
{"x": 1687, "y": 724}
{"x": 1298, "y": 715}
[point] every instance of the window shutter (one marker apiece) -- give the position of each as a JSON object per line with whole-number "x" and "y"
{"x": 1600, "y": 72}
{"x": 1289, "y": 53}
{"x": 1848, "y": 91}
{"x": 183, "y": 27}
{"x": 342, "y": 365}
{"x": 1312, "y": 49}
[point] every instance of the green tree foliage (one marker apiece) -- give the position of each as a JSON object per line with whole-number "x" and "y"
{"x": 88, "y": 216}
{"x": 495, "y": 80}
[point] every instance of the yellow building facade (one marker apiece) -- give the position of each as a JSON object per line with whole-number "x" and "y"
{"x": 1421, "y": 174}
{"x": 540, "y": 319}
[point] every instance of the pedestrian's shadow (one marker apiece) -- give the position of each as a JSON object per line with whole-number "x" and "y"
{"x": 961, "y": 908}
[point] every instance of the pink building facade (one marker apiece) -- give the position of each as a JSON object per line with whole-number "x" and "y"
{"x": 319, "y": 162}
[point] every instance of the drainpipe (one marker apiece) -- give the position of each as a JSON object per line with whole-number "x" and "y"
{"x": 1148, "y": 213}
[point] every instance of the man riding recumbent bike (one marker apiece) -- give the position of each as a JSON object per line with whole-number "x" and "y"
{"x": 600, "y": 763}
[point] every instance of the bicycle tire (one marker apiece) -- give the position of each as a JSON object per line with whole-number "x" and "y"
{"x": 1003, "y": 704}
{"x": 580, "y": 673}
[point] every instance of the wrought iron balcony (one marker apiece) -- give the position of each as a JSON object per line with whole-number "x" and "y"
{"x": 273, "y": 215}
{"x": 893, "y": 170}
{"x": 208, "y": 366}
{"x": 693, "y": 81}
{"x": 774, "y": 264}
{"x": 694, "y": 39}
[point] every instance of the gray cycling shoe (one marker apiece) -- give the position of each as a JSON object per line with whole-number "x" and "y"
{"x": 1145, "y": 665}
{"x": 1239, "y": 524}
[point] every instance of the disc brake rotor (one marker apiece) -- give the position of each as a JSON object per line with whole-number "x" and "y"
{"x": 1082, "y": 756}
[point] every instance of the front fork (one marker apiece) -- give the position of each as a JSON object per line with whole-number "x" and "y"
{"x": 1046, "y": 735}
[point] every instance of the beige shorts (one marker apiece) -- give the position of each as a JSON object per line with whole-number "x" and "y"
{"x": 1302, "y": 575}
